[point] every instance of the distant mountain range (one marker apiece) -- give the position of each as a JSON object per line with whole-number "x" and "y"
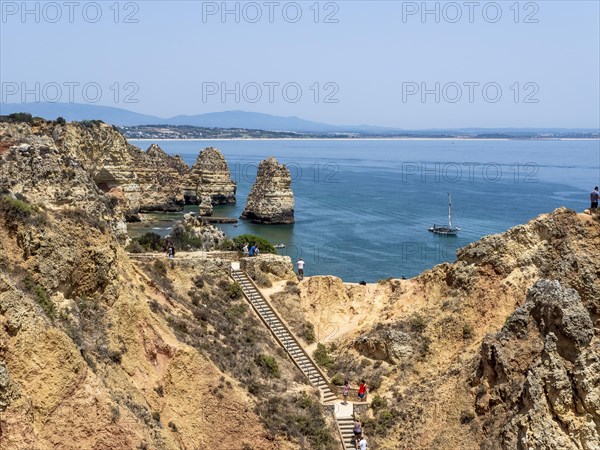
{"x": 258, "y": 121}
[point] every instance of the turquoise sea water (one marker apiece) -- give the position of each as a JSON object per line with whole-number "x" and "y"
{"x": 363, "y": 206}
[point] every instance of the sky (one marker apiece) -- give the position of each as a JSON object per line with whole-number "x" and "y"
{"x": 410, "y": 65}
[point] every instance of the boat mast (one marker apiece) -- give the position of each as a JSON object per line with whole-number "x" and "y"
{"x": 449, "y": 210}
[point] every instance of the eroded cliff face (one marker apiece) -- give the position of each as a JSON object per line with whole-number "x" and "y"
{"x": 539, "y": 378}
{"x": 435, "y": 350}
{"x": 210, "y": 178}
{"x": 271, "y": 200}
{"x": 139, "y": 181}
{"x": 100, "y": 351}
{"x": 88, "y": 352}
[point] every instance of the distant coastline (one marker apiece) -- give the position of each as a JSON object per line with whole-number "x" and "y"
{"x": 364, "y": 139}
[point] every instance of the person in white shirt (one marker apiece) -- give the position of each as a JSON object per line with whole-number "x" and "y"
{"x": 300, "y": 264}
{"x": 362, "y": 444}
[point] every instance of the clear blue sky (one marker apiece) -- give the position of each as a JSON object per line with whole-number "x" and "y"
{"x": 367, "y": 55}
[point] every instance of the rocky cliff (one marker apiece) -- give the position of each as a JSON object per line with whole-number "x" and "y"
{"x": 271, "y": 200}
{"x": 138, "y": 181}
{"x": 209, "y": 177}
{"x": 498, "y": 350}
{"x": 100, "y": 351}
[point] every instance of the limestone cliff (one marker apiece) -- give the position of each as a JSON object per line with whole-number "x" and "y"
{"x": 271, "y": 200}
{"x": 100, "y": 351}
{"x": 210, "y": 177}
{"x": 421, "y": 343}
{"x": 139, "y": 181}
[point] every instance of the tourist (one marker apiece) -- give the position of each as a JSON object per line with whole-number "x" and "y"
{"x": 256, "y": 251}
{"x": 300, "y": 265}
{"x": 171, "y": 250}
{"x": 363, "y": 390}
{"x": 346, "y": 392}
{"x": 594, "y": 198}
{"x": 362, "y": 444}
{"x": 245, "y": 250}
{"x": 252, "y": 250}
{"x": 357, "y": 430}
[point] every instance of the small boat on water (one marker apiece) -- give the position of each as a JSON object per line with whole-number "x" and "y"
{"x": 449, "y": 230}
{"x": 280, "y": 245}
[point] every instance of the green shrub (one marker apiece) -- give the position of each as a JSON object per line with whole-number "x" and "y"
{"x": 418, "y": 323}
{"x": 41, "y": 296}
{"x": 269, "y": 364}
{"x": 156, "y": 416}
{"x": 338, "y": 379}
{"x": 184, "y": 240}
{"x": 60, "y": 120}
{"x": 236, "y": 312}
{"x": 14, "y": 209}
{"x": 151, "y": 241}
{"x": 21, "y": 117}
{"x": 308, "y": 333}
{"x": 322, "y": 357}
{"x": 234, "y": 291}
{"x": 263, "y": 245}
{"x": 378, "y": 402}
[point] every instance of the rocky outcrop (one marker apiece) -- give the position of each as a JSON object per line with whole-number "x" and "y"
{"x": 138, "y": 181}
{"x": 540, "y": 375}
{"x": 209, "y": 176}
{"x": 35, "y": 168}
{"x": 192, "y": 234}
{"x": 159, "y": 176}
{"x": 271, "y": 200}
{"x": 267, "y": 268}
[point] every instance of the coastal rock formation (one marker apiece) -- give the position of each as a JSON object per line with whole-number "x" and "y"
{"x": 267, "y": 268}
{"x": 540, "y": 375}
{"x": 210, "y": 176}
{"x": 421, "y": 343}
{"x": 206, "y": 236}
{"x": 271, "y": 200}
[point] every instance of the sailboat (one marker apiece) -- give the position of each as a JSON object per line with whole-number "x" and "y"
{"x": 449, "y": 230}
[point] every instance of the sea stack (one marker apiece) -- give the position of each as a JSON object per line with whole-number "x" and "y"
{"x": 210, "y": 176}
{"x": 271, "y": 200}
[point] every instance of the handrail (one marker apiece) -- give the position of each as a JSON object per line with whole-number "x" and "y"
{"x": 276, "y": 314}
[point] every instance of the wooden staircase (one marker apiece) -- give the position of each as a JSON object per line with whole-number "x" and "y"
{"x": 284, "y": 335}
{"x": 346, "y": 429}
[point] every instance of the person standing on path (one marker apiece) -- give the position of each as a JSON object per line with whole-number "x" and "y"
{"x": 594, "y": 198}
{"x": 245, "y": 250}
{"x": 252, "y": 250}
{"x": 300, "y": 264}
{"x": 346, "y": 392}
{"x": 363, "y": 391}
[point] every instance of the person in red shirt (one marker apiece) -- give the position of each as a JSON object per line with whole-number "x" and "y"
{"x": 363, "y": 391}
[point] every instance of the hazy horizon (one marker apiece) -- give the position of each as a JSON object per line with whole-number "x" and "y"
{"x": 408, "y": 65}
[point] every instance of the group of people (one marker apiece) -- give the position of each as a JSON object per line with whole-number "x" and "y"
{"x": 252, "y": 251}
{"x": 360, "y": 440}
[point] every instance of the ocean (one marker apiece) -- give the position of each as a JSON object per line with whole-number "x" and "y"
{"x": 363, "y": 207}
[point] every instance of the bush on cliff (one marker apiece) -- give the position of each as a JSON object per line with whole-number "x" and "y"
{"x": 263, "y": 245}
{"x": 322, "y": 358}
{"x": 150, "y": 242}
